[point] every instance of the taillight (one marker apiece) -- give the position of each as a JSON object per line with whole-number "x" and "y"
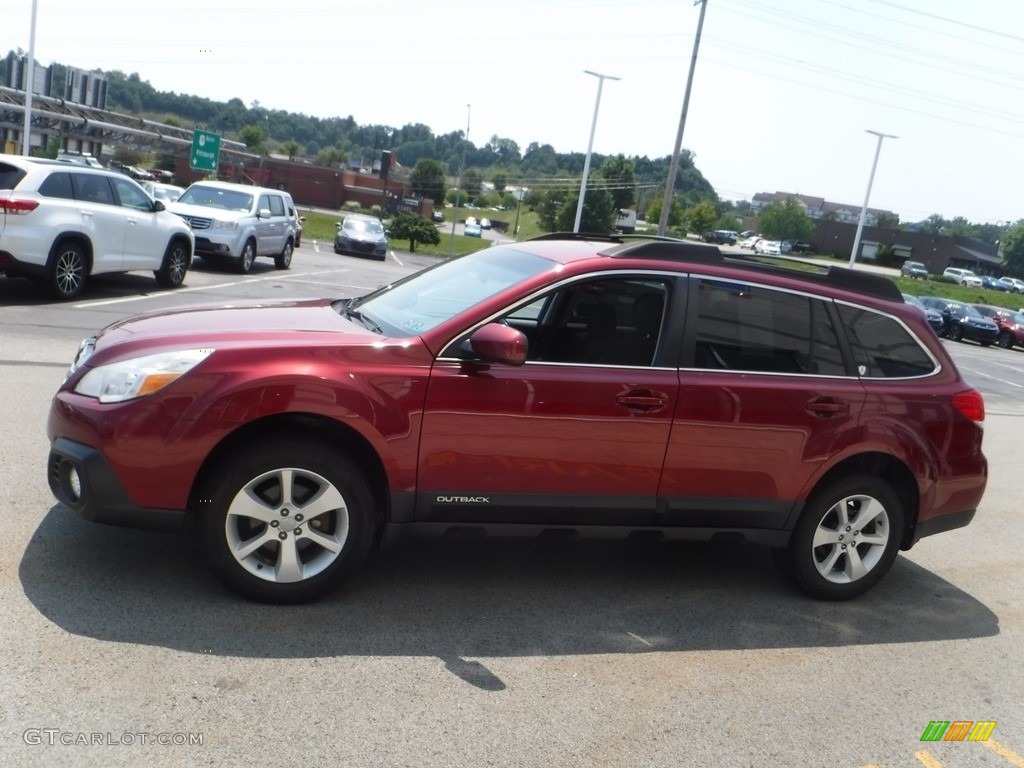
{"x": 971, "y": 404}
{"x": 16, "y": 206}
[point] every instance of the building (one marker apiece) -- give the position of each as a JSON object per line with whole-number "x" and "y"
{"x": 818, "y": 208}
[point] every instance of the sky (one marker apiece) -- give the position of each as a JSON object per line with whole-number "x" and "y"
{"x": 783, "y": 94}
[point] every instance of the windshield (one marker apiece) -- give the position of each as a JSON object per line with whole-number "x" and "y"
{"x": 214, "y": 197}
{"x": 364, "y": 225}
{"x": 913, "y": 300}
{"x": 425, "y": 300}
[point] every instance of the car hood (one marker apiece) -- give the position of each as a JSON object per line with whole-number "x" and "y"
{"x": 237, "y": 325}
{"x": 187, "y": 210}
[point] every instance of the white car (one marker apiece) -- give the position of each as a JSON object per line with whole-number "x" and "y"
{"x": 1013, "y": 284}
{"x": 963, "y": 276}
{"x": 750, "y": 242}
{"x": 61, "y": 223}
{"x": 167, "y": 193}
{"x": 768, "y": 247}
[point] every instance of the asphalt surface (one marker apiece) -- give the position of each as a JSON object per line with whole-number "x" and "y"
{"x": 122, "y": 650}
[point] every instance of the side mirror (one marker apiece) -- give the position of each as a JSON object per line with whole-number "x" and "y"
{"x": 263, "y": 213}
{"x": 498, "y": 343}
{"x": 158, "y": 206}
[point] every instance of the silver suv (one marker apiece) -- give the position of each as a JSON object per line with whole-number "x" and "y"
{"x": 238, "y": 222}
{"x": 61, "y": 223}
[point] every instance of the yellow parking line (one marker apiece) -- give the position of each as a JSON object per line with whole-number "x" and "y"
{"x": 927, "y": 759}
{"x": 1012, "y": 757}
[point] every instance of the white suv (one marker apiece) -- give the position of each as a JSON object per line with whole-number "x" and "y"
{"x": 239, "y": 222}
{"x": 963, "y": 276}
{"x": 61, "y": 223}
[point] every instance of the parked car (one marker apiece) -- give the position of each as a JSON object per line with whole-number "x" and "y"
{"x": 934, "y": 317}
{"x": 61, "y": 223}
{"x": 768, "y": 248}
{"x": 485, "y": 223}
{"x": 1010, "y": 324}
{"x": 557, "y": 385}
{"x": 962, "y": 321}
{"x": 795, "y": 246}
{"x": 437, "y": 215}
{"x": 238, "y": 223}
{"x": 914, "y": 269}
{"x": 992, "y": 283}
{"x": 749, "y": 242}
{"x": 297, "y": 220}
{"x": 78, "y": 158}
{"x": 473, "y": 230}
{"x": 362, "y": 236}
{"x": 963, "y": 276}
{"x": 1013, "y": 284}
{"x": 720, "y": 237}
{"x": 167, "y": 193}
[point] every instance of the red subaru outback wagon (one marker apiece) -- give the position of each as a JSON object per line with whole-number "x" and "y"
{"x": 563, "y": 384}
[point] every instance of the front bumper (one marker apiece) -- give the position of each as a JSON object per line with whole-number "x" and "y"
{"x": 81, "y": 479}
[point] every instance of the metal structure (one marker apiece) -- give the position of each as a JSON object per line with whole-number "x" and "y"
{"x": 95, "y": 127}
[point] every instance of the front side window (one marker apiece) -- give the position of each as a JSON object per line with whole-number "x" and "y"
{"x": 276, "y": 206}
{"x": 882, "y": 346}
{"x": 131, "y": 196}
{"x": 744, "y": 327}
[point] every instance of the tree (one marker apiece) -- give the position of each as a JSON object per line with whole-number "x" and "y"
{"x": 619, "y": 175}
{"x": 675, "y": 211}
{"x": 785, "y": 221}
{"x": 290, "y": 148}
{"x": 728, "y": 222}
{"x": 330, "y": 157}
{"x": 427, "y": 180}
{"x": 414, "y": 228}
{"x": 599, "y": 212}
{"x": 700, "y": 217}
{"x": 252, "y": 137}
{"x": 500, "y": 180}
{"x": 1012, "y": 248}
{"x": 472, "y": 182}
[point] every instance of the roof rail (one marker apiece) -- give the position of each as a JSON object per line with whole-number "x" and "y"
{"x": 674, "y": 249}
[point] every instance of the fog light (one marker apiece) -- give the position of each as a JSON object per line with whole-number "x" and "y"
{"x": 72, "y": 482}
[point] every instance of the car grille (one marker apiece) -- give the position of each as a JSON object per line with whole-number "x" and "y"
{"x": 197, "y": 222}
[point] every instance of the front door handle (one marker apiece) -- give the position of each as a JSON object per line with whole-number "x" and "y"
{"x": 641, "y": 400}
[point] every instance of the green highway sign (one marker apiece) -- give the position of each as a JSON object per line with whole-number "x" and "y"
{"x": 205, "y": 154}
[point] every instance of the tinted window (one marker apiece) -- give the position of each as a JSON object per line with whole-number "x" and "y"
{"x": 10, "y": 176}
{"x": 882, "y": 346}
{"x": 57, "y": 185}
{"x": 92, "y": 188}
{"x": 751, "y": 328}
{"x": 276, "y": 205}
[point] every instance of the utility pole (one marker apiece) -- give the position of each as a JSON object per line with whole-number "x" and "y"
{"x": 673, "y": 169}
{"x": 30, "y": 75}
{"x": 590, "y": 146}
{"x": 458, "y": 191}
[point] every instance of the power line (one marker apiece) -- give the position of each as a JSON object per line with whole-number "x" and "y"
{"x": 951, "y": 21}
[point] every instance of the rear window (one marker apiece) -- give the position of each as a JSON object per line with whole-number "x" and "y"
{"x": 882, "y": 346}
{"x": 10, "y": 176}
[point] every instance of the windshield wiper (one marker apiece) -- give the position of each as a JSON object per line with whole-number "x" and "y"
{"x": 366, "y": 321}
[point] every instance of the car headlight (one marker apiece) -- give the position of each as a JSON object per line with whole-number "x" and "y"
{"x": 139, "y": 376}
{"x": 221, "y": 224}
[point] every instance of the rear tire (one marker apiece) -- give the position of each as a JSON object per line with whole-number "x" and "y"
{"x": 955, "y": 332}
{"x": 1005, "y": 340}
{"x": 283, "y": 260}
{"x": 285, "y": 522}
{"x": 69, "y": 272}
{"x": 846, "y": 539}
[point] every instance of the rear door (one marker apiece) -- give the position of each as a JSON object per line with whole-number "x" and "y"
{"x": 102, "y": 220}
{"x": 766, "y": 398}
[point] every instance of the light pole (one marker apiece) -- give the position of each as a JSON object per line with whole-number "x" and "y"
{"x": 867, "y": 196}
{"x": 590, "y": 146}
{"x": 458, "y": 190}
{"x": 30, "y": 75}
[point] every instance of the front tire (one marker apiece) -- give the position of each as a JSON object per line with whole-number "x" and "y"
{"x": 70, "y": 269}
{"x": 285, "y": 522}
{"x": 248, "y": 256}
{"x": 283, "y": 260}
{"x": 955, "y": 332}
{"x": 846, "y": 539}
{"x": 177, "y": 260}
{"x": 1005, "y": 340}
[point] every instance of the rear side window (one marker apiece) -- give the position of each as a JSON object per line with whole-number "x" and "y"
{"x": 57, "y": 185}
{"x": 92, "y": 188}
{"x": 882, "y": 347}
{"x": 751, "y": 328}
{"x": 10, "y": 176}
